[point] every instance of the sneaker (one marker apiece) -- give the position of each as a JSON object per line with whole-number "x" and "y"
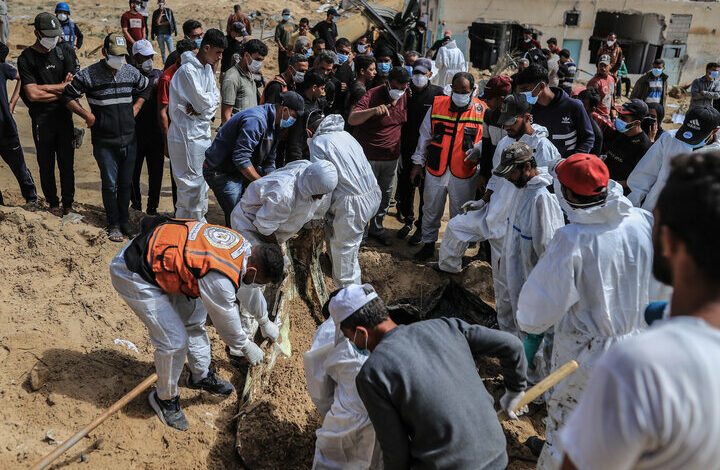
{"x": 383, "y": 238}
{"x": 212, "y": 383}
{"x": 169, "y": 411}
{"x": 425, "y": 253}
{"x": 32, "y": 206}
{"x": 416, "y": 237}
{"x": 535, "y": 444}
{"x": 404, "y": 231}
{"x": 434, "y": 265}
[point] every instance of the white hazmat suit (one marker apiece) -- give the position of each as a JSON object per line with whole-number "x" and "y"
{"x": 189, "y": 134}
{"x": 176, "y": 323}
{"x": 346, "y": 439}
{"x": 355, "y": 199}
{"x": 592, "y": 285}
{"x": 282, "y": 202}
{"x": 449, "y": 61}
{"x": 649, "y": 176}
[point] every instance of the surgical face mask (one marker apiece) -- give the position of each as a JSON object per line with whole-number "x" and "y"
{"x": 138, "y": 7}
{"x": 420, "y": 80}
{"x": 461, "y": 100}
{"x": 115, "y": 61}
{"x": 198, "y": 41}
{"x": 341, "y": 58}
{"x": 610, "y": 43}
{"x": 299, "y": 77}
{"x": 363, "y": 352}
{"x": 362, "y": 49}
{"x": 308, "y": 53}
{"x": 161, "y": 4}
{"x": 700, "y": 144}
{"x": 409, "y": 69}
{"x": 286, "y": 17}
{"x": 334, "y": 19}
{"x": 62, "y": 16}
{"x": 285, "y": 123}
{"x": 383, "y": 68}
{"x": 714, "y": 74}
{"x": 49, "y": 43}
{"x": 621, "y": 126}
{"x": 255, "y": 66}
{"x": 396, "y": 94}
{"x": 528, "y": 39}
{"x": 147, "y": 66}
{"x": 529, "y": 95}
{"x": 657, "y": 72}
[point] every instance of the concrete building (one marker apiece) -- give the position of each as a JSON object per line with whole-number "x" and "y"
{"x": 685, "y": 34}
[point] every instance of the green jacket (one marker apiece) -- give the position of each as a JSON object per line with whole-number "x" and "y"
{"x": 642, "y": 87}
{"x": 283, "y": 31}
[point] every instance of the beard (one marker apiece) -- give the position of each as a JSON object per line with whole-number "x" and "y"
{"x": 522, "y": 181}
{"x": 661, "y": 265}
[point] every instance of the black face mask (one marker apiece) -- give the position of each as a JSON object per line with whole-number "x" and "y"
{"x": 661, "y": 265}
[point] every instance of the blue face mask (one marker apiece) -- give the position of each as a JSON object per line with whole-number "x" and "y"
{"x": 286, "y": 17}
{"x": 657, "y": 72}
{"x": 409, "y": 69}
{"x": 384, "y": 67}
{"x": 529, "y": 95}
{"x": 363, "y": 352}
{"x": 285, "y": 123}
{"x": 342, "y": 58}
{"x": 308, "y": 53}
{"x": 198, "y": 42}
{"x": 714, "y": 74}
{"x": 620, "y": 125}
{"x": 334, "y": 19}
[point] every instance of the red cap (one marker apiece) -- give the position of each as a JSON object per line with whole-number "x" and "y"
{"x": 497, "y": 86}
{"x": 584, "y": 174}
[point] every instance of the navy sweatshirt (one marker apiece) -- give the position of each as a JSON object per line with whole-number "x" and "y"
{"x": 567, "y": 122}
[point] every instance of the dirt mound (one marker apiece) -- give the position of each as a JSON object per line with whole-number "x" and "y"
{"x": 395, "y": 279}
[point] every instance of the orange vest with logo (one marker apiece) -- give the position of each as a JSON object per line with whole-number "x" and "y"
{"x": 276, "y": 78}
{"x": 181, "y": 252}
{"x": 452, "y": 135}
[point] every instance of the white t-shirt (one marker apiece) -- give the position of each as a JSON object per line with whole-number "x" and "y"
{"x": 653, "y": 402}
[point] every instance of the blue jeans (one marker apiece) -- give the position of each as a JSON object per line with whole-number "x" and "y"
{"x": 163, "y": 41}
{"x": 228, "y": 189}
{"x": 116, "y": 171}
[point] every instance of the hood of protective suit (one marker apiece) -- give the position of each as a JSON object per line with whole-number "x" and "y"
{"x": 318, "y": 178}
{"x": 544, "y": 179}
{"x": 540, "y": 132}
{"x": 331, "y": 123}
{"x": 189, "y": 58}
{"x": 451, "y": 45}
{"x": 615, "y": 208}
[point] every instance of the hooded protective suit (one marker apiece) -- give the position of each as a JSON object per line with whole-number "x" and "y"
{"x": 490, "y": 223}
{"x": 281, "y": 203}
{"x": 189, "y": 135}
{"x": 355, "y": 199}
{"x": 649, "y": 176}
{"x": 346, "y": 440}
{"x": 449, "y": 61}
{"x": 592, "y": 285}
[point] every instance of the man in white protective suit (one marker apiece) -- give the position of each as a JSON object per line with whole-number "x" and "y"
{"x": 204, "y": 269}
{"x": 697, "y": 134}
{"x": 346, "y": 439}
{"x": 354, "y": 201}
{"x": 193, "y": 100}
{"x": 486, "y": 219}
{"x": 592, "y": 284}
{"x": 449, "y": 61}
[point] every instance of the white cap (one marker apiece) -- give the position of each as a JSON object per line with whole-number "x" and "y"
{"x": 349, "y": 300}
{"x": 143, "y": 47}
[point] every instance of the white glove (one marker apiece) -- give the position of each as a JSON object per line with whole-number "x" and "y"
{"x": 510, "y": 400}
{"x": 472, "y": 206}
{"x": 474, "y": 153}
{"x": 269, "y": 330}
{"x": 253, "y": 353}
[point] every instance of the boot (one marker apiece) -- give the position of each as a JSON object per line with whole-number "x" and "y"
{"x": 425, "y": 253}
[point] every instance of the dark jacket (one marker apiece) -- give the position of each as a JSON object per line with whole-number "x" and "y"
{"x": 567, "y": 122}
{"x": 418, "y": 105}
{"x": 171, "y": 19}
{"x": 642, "y": 87}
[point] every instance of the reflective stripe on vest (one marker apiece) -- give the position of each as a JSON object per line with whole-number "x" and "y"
{"x": 452, "y": 135}
{"x": 68, "y": 32}
{"x": 180, "y": 252}
{"x": 276, "y": 78}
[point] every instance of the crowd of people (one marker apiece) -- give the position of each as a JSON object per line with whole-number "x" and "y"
{"x": 589, "y": 211}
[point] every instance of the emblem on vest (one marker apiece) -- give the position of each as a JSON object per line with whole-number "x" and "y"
{"x": 221, "y": 237}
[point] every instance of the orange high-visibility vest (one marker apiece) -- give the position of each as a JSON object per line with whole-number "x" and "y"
{"x": 452, "y": 135}
{"x": 276, "y": 78}
{"x": 180, "y": 252}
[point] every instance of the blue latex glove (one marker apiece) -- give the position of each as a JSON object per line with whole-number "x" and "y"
{"x": 531, "y": 344}
{"x": 655, "y": 311}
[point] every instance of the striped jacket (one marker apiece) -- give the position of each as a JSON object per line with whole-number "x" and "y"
{"x": 110, "y": 98}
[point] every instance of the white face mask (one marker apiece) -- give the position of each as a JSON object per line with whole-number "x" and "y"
{"x": 115, "y": 61}
{"x": 147, "y": 66}
{"x": 49, "y": 43}
{"x": 419, "y": 80}
{"x": 62, "y": 16}
{"x": 138, "y": 7}
{"x": 396, "y": 94}
{"x": 299, "y": 77}
{"x": 161, "y": 4}
{"x": 255, "y": 66}
{"x": 461, "y": 100}
{"x": 610, "y": 43}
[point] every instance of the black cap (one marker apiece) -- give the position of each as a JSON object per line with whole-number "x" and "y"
{"x": 286, "y": 11}
{"x": 699, "y": 123}
{"x": 420, "y": 24}
{"x": 513, "y": 106}
{"x": 48, "y": 25}
{"x": 634, "y": 107}
{"x": 293, "y": 101}
{"x": 333, "y": 12}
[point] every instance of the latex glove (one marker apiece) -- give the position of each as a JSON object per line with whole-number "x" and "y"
{"x": 253, "y": 353}
{"x": 269, "y": 330}
{"x": 509, "y": 401}
{"x": 474, "y": 153}
{"x": 531, "y": 344}
{"x": 472, "y": 206}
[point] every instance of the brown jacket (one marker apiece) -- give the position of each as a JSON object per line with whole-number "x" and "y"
{"x": 615, "y": 53}
{"x": 242, "y": 18}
